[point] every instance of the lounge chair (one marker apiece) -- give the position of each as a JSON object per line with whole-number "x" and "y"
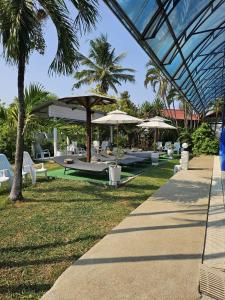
{"x": 6, "y": 171}
{"x": 34, "y": 169}
{"x": 80, "y": 165}
{"x": 125, "y": 160}
{"x": 141, "y": 154}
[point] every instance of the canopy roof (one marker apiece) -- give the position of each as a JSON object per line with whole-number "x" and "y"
{"x": 185, "y": 38}
{"x": 88, "y": 100}
{"x": 59, "y": 110}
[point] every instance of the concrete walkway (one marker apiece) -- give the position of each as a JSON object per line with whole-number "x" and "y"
{"x": 212, "y": 276}
{"x": 153, "y": 254}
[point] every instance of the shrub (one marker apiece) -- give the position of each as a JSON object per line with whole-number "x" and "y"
{"x": 204, "y": 141}
{"x": 7, "y": 141}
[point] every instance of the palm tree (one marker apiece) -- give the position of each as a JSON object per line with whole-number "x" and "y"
{"x": 217, "y": 108}
{"x": 159, "y": 83}
{"x": 102, "y": 67}
{"x": 34, "y": 95}
{"x": 21, "y": 33}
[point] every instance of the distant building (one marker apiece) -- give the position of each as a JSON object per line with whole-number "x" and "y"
{"x": 179, "y": 115}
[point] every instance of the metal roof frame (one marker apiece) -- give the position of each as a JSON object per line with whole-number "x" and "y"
{"x": 189, "y": 53}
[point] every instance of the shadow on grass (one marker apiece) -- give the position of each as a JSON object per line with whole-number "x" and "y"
{"x": 23, "y": 288}
{"x": 37, "y": 262}
{"x": 49, "y": 245}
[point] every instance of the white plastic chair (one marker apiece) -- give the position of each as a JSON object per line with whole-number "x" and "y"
{"x": 96, "y": 146}
{"x": 6, "y": 170}
{"x": 33, "y": 169}
{"x": 75, "y": 149}
{"x": 41, "y": 153}
{"x": 177, "y": 147}
{"x": 166, "y": 146}
{"x": 159, "y": 146}
{"x": 104, "y": 146}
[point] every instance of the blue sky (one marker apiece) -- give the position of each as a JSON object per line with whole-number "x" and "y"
{"x": 37, "y": 70}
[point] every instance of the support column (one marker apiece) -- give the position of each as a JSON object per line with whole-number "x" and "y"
{"x": 111, "y": 134}
{"x": 88, "y": 129}
{"x": 55, "y": 140}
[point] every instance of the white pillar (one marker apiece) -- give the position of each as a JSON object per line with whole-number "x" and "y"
{"x": 111, "y": 134}
{"x": 55, "y": 140}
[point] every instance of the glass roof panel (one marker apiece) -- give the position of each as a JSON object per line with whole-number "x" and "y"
{"x": 182, "y": 38}
{"x": 143, "y": 12}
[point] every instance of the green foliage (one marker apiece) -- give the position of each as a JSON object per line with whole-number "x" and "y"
{"x": 102, "y": 67}
{"x": 21, "y": 29}
{"x": 185, "y": 136}
{"x": 126, "y": 104}
{"x": 204, "y": 141}
{"x": 7, "y": 140}
{"x": 35, "y": 94}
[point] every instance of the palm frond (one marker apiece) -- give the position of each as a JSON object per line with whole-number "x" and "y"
{"x": 87, "y": 14}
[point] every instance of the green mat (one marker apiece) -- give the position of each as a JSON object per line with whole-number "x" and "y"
{"x": 102, "y": 178}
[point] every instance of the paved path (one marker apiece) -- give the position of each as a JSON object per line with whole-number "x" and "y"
{"x": 212, "y": 277}
{"x": 154, "y": 253}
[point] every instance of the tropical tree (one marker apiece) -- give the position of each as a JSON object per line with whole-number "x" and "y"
{"x": 159, "y": 83}
{"x": 145, "y": 110}
{"x": 126, "y": 104}
{"x": 151, "y": 109}
{"x": 21, "y": 33}
{"x": 217, "y": 108}
{"x": 34, "y": 95}
{"x": 102, "y": 67}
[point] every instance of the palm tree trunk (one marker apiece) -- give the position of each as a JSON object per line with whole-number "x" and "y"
{"x": 16, "y": 191}
{"x": 175, "y": 116}
{"x": 185, "y": 115}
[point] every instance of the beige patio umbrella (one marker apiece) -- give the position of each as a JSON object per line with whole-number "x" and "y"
{"x": 157, "y": 118}
{"x": 117, "y": 117}
{"x": 155, "y": 123}
{"x": 88, "y": 102}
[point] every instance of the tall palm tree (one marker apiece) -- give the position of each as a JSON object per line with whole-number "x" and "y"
{"x": 21, "y": 33}
{"x": 102, "y": 67}
{"x": 159, "y": 83}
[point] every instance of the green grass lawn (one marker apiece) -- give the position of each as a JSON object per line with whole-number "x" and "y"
{"x": 59, "y": 221}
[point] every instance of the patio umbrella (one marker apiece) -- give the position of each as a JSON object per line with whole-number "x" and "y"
{"x": 117, "y": 117}
{"x": 157, "y": 118}
{"x": 156, "y": 124}
{"x": 87, "y": 101}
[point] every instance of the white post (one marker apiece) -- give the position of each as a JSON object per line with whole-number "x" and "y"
{"x": 55, "y": 140}
{"x": 111, "y": 134}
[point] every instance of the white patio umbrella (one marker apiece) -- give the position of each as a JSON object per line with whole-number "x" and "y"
{"x": 156, "y": 124}
{"x": 117, "y": 117}
{"x": 157, "y": 118}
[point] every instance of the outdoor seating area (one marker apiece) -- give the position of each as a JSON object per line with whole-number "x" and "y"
{"x": 112, "y": 150}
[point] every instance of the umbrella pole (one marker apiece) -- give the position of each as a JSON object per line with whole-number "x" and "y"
{"x": 88, "y": 131}
{"x": 155, "y": 139}
{"x": 117, "y": 142}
